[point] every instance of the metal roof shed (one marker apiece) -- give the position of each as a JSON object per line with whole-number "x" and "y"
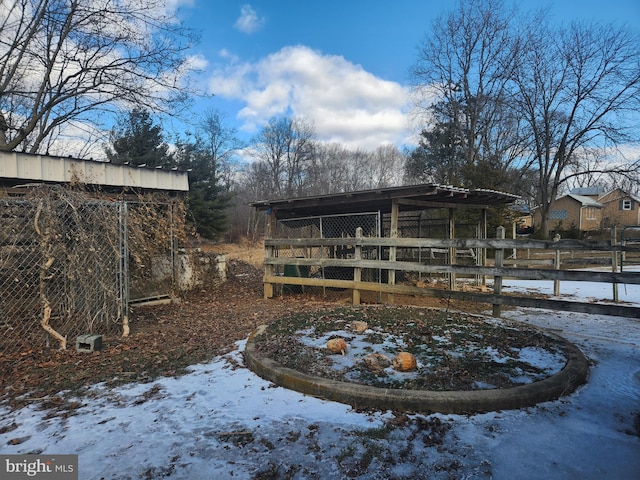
{"x": 387, "y": 202}
{"x": 408, "y": 198}
{"x": 18, "y": 169}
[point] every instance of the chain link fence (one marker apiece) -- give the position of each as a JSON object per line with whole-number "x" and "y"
{"x": 330, "y": 226}
{"x": 149, "y": 236}
{"x": 412, "y": 225}
{"x": 67, "y": 263}
{"x": 373, "y": 224}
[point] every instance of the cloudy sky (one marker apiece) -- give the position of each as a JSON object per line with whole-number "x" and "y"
{"x": 341, "y": 64}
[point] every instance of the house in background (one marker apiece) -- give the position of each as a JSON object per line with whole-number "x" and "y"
{"x": 620, "y": 209}
{"x": 573, "y": 211}
{"x": 523, "y": 218}
{"x": 589, "y": 209}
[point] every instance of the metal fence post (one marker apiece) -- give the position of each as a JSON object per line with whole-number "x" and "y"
{"x": 123, "y": 265}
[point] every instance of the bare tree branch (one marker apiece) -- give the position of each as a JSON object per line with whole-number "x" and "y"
{"x": 64, "y": 61}
{"x": 576, "y": 87}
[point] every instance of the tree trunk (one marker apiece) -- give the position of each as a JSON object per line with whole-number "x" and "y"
{"x": 544, "y": 220}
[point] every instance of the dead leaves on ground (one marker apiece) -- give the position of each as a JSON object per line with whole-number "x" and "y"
{"x": 164, "y": 340}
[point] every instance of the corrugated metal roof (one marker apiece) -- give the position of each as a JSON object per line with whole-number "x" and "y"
{"x": 411, "y": 197}
{"x": 595, "y": 190}
{"x": 23, "y": 167}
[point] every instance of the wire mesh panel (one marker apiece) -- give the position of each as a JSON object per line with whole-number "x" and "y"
{"x": 60, "y": 270}
{"x": 423, "y": 224}
{"x": 330, "y": 226}
{"x": 20, "y": 260}
{"x": 69, "y": 263}
{"x": 412, "y": 225}
{"x": 149, "y": 239}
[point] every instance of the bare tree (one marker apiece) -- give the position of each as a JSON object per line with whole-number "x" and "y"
{"x": 285, "y": 146}
{"x": 463, "y": 70}
{"x": 68, "y": 62}
{"x": 329, "y": 169}
{"x": 577, "y": 87}
{"x": 253, "y": 183}
{"x": 385, "y": 167}
{"x": 221, "y": 143}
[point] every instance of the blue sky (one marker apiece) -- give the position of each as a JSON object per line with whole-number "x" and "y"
{"x": 341, "y": 64}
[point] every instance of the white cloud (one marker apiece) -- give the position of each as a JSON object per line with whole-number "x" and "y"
{"x": 195, "y": 62}
{"x": 345, "y": 103}
{"x": 249, "y": 21}
{"x": 229, "y": 56}
{"x": 629, "y": 151}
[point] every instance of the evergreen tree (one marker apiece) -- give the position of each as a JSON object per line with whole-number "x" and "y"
{"x": 138, "y": 141}
{"x": 208, "y": 199}
{"x": 438, "y": 157}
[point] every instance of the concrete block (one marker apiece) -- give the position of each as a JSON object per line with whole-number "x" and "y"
{"x": 88, "y": 343}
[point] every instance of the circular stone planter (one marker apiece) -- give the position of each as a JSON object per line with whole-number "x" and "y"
{"x": 562, "y": 383}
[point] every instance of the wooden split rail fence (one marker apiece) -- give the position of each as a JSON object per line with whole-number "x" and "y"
{"x": 499, "y": 269}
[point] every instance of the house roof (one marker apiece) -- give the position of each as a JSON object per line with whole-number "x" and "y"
{"x": 24, "y": 168}
{"x": 412, "y": 197}
{"x": 585, "y": 201}
{"x": 596, "y": 190}
{"x": 622, "y": 194}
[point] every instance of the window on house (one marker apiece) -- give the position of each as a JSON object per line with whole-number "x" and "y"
{"x": 558, "y": 215}
{"x": 626, "y": 204}
{"x": 590, "y": 213}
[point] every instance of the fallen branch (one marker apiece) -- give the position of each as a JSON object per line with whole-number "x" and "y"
{"x": 48, "y": 328}
{"x": 46, "y": 306}
{"x": 41, "y": 399}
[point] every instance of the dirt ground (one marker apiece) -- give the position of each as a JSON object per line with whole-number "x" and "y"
{"x": 165, "y": 339}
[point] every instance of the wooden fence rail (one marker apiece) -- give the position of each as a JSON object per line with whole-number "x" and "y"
{"x": 276, "y": 260}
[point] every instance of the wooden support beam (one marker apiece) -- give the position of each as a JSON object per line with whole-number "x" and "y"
{"x": 393, "y": 233}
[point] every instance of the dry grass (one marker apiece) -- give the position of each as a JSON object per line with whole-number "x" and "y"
{"x": 245, "y": 251}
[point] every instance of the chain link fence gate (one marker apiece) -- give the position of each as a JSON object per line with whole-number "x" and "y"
{"x": 65, "y": 267}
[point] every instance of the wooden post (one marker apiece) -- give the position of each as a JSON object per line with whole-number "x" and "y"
{"x": 452, "y": 250}
{"x": 497, "y": 280}
{"x": 614, "y": 262}
{"x": 393, "y": 233}
{"x": 483, "y": 250}
{"x": 514, "y": 232}
{"x": 269, "y": 253}
{"x": 357, "y": 271}
{"x": 556, "y": 265}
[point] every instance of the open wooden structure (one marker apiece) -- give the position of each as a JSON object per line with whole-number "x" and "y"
{"x": 398, "y": 240}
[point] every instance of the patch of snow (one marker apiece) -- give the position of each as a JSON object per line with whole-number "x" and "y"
{"x": 495, "y": 355}
{"x": 441, "y": 339}
{"x": 545, "y": 360}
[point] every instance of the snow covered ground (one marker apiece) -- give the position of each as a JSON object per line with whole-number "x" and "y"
{"x": 222, "y": 421}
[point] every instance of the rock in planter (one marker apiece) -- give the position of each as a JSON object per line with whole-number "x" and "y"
{"x": 337, "y": 345}
{"x": 404, "y": 362}
{"x": 358, "y": 326}
{"x": 376, "y": 362}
